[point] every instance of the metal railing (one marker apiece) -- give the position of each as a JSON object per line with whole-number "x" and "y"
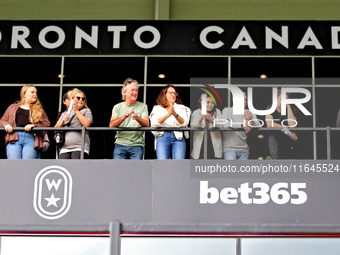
{"x": 83, "y": 130}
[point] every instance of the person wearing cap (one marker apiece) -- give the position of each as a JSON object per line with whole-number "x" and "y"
{"x": 130, "y": 113}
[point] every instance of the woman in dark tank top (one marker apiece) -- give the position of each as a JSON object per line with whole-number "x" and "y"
{"x": 28, "y": 113}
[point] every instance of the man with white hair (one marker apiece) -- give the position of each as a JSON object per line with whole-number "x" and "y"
{"x": 130, "y": 113}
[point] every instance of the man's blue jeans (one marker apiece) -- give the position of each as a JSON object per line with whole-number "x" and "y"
{"x": 23, "y": 148}
{"x": 229, "y": 155}
{"x": 122, "y": 152}
{"x": 168, "y": 143}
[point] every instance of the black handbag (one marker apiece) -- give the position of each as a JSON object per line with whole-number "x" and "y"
{"x": 59, "y": 138}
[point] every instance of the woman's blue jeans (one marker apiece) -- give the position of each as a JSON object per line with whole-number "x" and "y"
{"x": 23, "y": 148}
{"x": 232, "y": 155}
{"x": 167, "y": 144}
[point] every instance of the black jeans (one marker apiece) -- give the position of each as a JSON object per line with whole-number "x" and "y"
{"x": 281, "y": 146}
{"x": 72, "y": 155}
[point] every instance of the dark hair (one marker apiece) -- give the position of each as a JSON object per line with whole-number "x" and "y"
{"x": 200, "y": 101}
{"x": 161, "y": 99}
{"x": 65, "y": 96}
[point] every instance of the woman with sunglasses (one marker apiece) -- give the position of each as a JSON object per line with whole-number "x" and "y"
{"x": 77, "y": 116}
{"x": 170, "y": 112}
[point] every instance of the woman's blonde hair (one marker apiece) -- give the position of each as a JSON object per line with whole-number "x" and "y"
{"x": 36, "y": 109}
{"x": 73, "y": 93}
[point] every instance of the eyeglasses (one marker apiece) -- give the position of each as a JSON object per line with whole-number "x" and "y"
{"x": 82, "y": 98}
{"x": 172, "y": 93}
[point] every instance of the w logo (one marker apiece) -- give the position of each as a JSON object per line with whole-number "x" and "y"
{"x": 204, "y": 97}
{"x": 52, "y": 192}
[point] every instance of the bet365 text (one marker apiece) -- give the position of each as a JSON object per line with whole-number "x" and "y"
{"x": 255, "y": 193}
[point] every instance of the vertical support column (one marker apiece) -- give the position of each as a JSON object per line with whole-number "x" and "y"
{"x": 145, "y": 88}
{"x": 115, "y": 238}
{"x": 145, "y": 78}
{"x": 328, "y": 143}
{"x": 314, "y": 111}
{"x": 162, "y": 9}
{"x": 61, "y": 90}
{"x": 61, "y": 83}
{"x": 229, "y": 79}
{"x": 156, "y": 9}
{"x": 83, "y": 131}
{"x": 205, "y": 143}
{"x": 238, "y": 246}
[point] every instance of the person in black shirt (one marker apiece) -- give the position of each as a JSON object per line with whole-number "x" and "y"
{"x": 281, "y": 145}
{"x": 66, "y": 102}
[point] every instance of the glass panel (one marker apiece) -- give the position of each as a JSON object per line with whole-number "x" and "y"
{"x": 103, "y": 70}
{"x": 12, "y": 95}
{"x": 294, "y": 70}
{"x": 219, "y": 99}
{"x": 327, "y": 108}
{"x": 151, "y": 96}
{"x": 179, "y": 70}
{"x": 28, "y": 70}
{"x": 177, "y": 246}
{"x": 55, "y": 245}
{"x": 326, "y": 71}
{"x": 258, "y": 139}
{"x": 301, "y": 148}
{"x": 49, "y": 97}
{"x": 101, "y": 101}
{"x": 291, "y": 246}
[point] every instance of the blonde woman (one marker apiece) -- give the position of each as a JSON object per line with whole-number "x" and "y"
{"x": 28, "y": 113}
{"x": 80, "y": 115}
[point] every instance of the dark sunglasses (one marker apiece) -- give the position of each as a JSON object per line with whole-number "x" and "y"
{"x": 82, "y": 98}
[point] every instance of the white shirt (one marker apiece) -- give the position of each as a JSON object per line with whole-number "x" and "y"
{"x": 159, "y": 111}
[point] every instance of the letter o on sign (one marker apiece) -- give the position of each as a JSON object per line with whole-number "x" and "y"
{"x": 153, "y": 43}
{"x": 0, "y": 36}
{"x": 46, "y": 44}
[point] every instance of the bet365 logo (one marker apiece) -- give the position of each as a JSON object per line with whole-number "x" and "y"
{"x": 52, "y": 192}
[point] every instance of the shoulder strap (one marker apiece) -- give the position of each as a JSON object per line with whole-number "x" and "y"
{"x": 69, "y": 123}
